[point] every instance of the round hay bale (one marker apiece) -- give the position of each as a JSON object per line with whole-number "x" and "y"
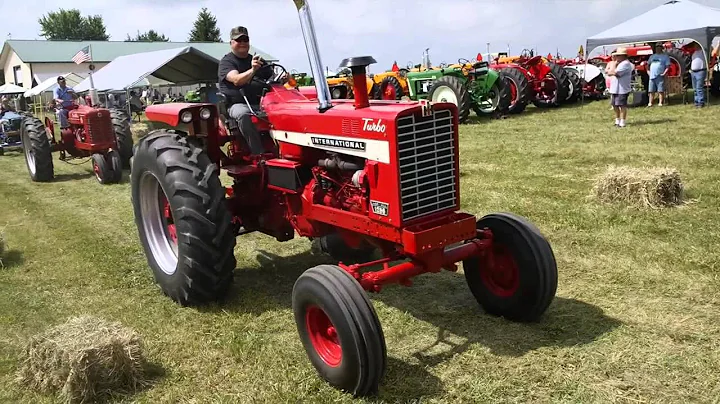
{"x": 85, "y": 359}
{"x": 654, "y": 187}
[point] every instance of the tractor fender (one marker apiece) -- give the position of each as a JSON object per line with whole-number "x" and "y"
{"x": 586, "y": 71}
{"x": 491, "y": 77}
{"x": 170, "y": 113}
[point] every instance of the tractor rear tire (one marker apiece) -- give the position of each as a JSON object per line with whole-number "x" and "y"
{"x": 683, "y": 62}
{"x": 561, "y": 90}
{"x": 38, "y": 151}
{"x": 517, "y": 80}
{"x": 461, "y": 93}
{"x": 123, "y": 135}
{"x": 575, "y": 86}
{"x": 339, "y": 329}
{"x": 390, "y": 83}
{"x": 182, "y": 218}
{"x": 516, "y": 279}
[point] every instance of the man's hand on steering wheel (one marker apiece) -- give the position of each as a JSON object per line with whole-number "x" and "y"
{"x": 278, "y": 74}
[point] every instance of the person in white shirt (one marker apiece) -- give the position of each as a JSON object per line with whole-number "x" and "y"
{"x": 698, "y": 73}
{"x": 620, "y": 74}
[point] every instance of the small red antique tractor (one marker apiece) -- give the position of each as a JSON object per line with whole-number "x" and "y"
{"x": 357, "y": 174}
{"x": 101, "y": 134}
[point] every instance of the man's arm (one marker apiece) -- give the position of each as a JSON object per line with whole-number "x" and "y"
{"x": 623, "y": 69}
{"x": 228, "y": 71}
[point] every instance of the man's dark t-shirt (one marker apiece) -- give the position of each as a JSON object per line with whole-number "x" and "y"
{"x": 253, "y": 90}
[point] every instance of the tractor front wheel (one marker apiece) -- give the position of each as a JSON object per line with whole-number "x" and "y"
{"x": 38, "y": 152}
{"x": 182, "y": 219}
{"x": 102, "y": 169}
{"x": 517, "y": 277}
{"x": 339, "y": 329}
{"x": 451, "y": 89}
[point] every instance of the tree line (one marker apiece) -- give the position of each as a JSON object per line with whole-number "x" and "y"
{"x": 69, "y": 25}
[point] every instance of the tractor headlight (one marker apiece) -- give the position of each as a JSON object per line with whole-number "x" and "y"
{"x": 186, "y": 117}
{"x": 205, "y": 113}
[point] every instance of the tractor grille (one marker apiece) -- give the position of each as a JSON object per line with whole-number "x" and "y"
{"x": 426, "y": 149}
{"x": 100, "y": 128}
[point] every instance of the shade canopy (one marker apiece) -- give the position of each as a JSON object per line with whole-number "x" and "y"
{"x": 674, "y": 20}
{"x": 50, "y": 84}
{"x": 178, "y": 66}
{"x": 9, "y": 88}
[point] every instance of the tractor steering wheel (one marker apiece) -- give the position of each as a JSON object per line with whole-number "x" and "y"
{"x": 278, "y": 71}
{"x": 526, "y": 53}
{"x": 464, "y": 61}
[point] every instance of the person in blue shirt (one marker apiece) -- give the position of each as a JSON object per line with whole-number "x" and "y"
{"x": 64, "y": 100}
{"x": 659, "y": 63}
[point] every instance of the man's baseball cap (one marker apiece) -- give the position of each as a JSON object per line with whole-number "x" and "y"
{"x": 237, "y": 32}
{"x": 60, "y": 78}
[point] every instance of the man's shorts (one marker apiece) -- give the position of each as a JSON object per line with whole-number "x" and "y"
{"x": 657, "y": 85}
{"x": 619, "y": 100}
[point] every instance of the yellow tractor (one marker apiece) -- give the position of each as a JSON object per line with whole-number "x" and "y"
{"x": 341, "y": 85}
{"x": 392, "y": 84}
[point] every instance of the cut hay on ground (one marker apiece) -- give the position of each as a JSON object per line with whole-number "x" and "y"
{"x": 654, "y": 187}
{"x": 84, "y": 360}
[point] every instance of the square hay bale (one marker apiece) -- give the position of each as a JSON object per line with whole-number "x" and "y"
{"x": 85, "y": 359}
{"x": 654, "y": 187}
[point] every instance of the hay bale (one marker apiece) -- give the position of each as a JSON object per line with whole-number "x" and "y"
{"x": 653, "y": 187}
{"x": 85, "y": 359}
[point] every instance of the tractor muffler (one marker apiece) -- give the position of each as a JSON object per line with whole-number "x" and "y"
{"x": 316, "y": 65}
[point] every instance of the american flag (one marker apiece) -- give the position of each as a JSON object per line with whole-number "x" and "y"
{"x": 83, "y": 55}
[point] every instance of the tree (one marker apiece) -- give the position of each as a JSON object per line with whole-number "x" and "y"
{"x": 150, "y": 36}
{"x": 70, "y": 25}
{"x": 205, "y": 28}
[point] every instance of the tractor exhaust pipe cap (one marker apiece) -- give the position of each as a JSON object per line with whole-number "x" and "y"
{"x": 358, "y": 66}
{"x": 316, "y": 65}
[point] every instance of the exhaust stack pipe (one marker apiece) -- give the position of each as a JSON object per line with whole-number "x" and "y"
{"x": 308, "y": 29}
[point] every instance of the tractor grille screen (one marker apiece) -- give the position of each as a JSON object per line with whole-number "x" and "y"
{"x": 426, "y": 149}
{"x": 100, "y": 128}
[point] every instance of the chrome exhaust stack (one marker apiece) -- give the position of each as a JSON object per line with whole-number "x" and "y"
{"x": 316, "y": 65}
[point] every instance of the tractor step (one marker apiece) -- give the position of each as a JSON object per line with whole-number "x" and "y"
{"x": 242, "y": 170}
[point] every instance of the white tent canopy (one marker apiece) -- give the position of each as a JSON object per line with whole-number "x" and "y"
{"x": 10, "y": 88}
{"x": 178, "y": 66}
{"x": 674, "y": 20}
{"x": 50, "y": 84}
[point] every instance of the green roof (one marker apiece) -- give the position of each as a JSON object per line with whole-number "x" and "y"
{"x": 41, "y": 51}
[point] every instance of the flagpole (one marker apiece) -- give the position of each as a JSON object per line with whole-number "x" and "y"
{"x": 93, "y": 93}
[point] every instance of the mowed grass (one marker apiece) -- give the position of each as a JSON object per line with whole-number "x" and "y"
{"x": 635, "y": 318}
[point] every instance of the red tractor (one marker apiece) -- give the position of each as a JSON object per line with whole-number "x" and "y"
{"x": 101, "y": 134}
{"x": 359, "y": 175}
{"x": 532, "y": 79}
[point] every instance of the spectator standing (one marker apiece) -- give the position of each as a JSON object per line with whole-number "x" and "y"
{"x": 659, "y": 63}
{"x": 620, "y": 80}
{"x": 698, "y": 73}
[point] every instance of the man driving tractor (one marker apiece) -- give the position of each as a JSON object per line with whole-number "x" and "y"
{"x": 64, "y": 99}
{"x": 235, "y": 79}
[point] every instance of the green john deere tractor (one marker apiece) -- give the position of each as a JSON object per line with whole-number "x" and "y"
{"x": 469, "y": 85}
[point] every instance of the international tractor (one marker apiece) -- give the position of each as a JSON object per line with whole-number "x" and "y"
{"x": 98, "y": 134}
{"x": 376, "y": 175}
{"x": 532, "y": 79}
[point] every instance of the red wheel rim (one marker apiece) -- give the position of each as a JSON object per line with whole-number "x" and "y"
{"x": 169, "y": 221}
{"x": 323, "y": 336}
{"x": 500, "y": 272}
{"x": 513, "y": 93}
{"x": 389, "y": 93}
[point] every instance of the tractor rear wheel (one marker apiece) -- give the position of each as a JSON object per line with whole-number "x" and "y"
{"x": 575, "y": 90}
{"x": 681, "y": 66}
{"x": 518, "y": 88}
{"x": 560, "y": 78}
{"x": 451, "y": 89}
{"x": 182, "y": 219}
{"x": 390, "y": 89}
{"x": 123, "y": 135}
{"x": 517, "y": 277}
{"x": 339, "y": 329}
{"x": 37, "y": 148}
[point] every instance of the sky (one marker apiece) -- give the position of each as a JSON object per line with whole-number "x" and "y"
{"x": 388, "y": 30}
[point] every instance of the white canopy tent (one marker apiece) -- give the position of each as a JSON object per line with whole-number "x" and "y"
{"x": 178, "y": 66}
{"x": 50, "y": 84}
{"x": 9, "y": 88}
{"x": 671, "y": 21}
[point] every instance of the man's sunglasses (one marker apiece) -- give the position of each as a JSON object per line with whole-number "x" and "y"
{"x": 243, "y": 38}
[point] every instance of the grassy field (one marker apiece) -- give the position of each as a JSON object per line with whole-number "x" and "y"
{"x": 635, "y": 318}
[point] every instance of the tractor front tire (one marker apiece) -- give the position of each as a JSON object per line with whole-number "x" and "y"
{"x": 123, "y": 135}
{"x": 339, "y": 329}
{"x": 518, "y": 88}
{"x": 517, "y": 277}
{"x": 116, "y": 166}
{"x": 575, "y": 86}
{"x": 38, "y": 151}
{"x": 182, "y": 219}
{"x": 452, "y": 89}
{"x": 390, "y": 89}
{"x": 102, "y": 168}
